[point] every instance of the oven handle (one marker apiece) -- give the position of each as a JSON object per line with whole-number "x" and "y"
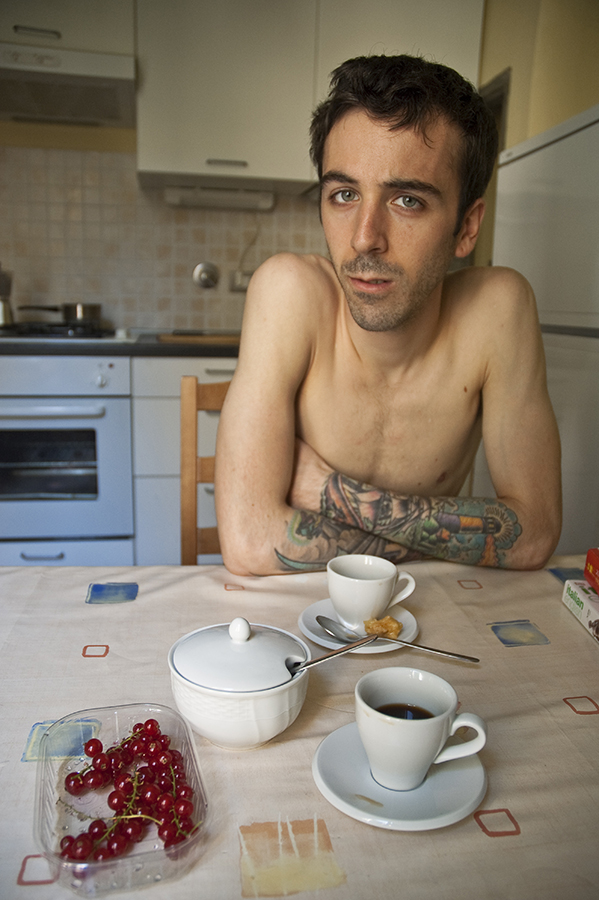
{"x": 28, "y": 558}
{"x": 53, "y": 412}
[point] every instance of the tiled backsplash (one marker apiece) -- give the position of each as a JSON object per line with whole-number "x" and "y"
{"x": 76, "y": 227}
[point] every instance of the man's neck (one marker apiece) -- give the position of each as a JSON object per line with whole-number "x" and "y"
{"x": 396, "y": 350}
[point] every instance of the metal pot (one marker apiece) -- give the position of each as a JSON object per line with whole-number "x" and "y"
{"x": 74, "y": 312}
{"x": 6, "y": 316}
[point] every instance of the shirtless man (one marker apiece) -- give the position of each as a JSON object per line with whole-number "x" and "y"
{"x": 365, "y": 381}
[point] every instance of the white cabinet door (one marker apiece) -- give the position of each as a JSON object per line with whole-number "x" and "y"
{"x": 102, "y": 26}
{"x": 445, "y": 30}
{"x": 157, "y": 522}
{"x": 226, "y": 89}
{"x": 156, "y": 452}
{"x": 66, "y": 553}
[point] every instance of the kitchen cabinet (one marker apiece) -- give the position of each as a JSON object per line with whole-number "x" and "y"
{"x": 66, "y": 553}
{"x": 225, "y": 92}
{"x": 99, "y": 26}
{"x": 156, "y": 452}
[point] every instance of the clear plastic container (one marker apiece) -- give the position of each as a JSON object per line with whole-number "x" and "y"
{"x": 58, "y": 813}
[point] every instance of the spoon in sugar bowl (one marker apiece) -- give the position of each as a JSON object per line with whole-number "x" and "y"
{"x": 346, "y": 636}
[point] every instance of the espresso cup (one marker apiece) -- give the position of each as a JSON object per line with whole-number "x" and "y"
{"x": 363, "y": 587}
{"x": 404, "y": 718}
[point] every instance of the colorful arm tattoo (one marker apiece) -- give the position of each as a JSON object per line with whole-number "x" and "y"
{"x": 313, "y": 539}
{"x": 460, "y": 529}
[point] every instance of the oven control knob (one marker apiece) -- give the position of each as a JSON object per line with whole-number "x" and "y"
{"x": 101, "y": 380}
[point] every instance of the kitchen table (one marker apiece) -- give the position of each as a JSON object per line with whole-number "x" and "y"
{"x": 271, "y": 832}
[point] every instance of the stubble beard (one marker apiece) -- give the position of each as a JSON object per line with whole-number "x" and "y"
{"x": 406, "y": 300}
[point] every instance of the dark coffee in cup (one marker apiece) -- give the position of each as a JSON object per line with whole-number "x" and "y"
{"x": 404, "y": 711}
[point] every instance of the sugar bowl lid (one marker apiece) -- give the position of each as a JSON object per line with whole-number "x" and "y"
{"x": 237, "y": 657}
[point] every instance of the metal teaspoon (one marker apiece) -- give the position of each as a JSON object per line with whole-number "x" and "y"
{"x": 339, "y": 631}
{"x": 360, "y": 642}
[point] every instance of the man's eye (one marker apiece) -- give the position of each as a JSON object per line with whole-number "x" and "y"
{"x": 344, "y": 196}
{"x": 408, "y": 202}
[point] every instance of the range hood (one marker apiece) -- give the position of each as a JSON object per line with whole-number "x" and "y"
{"x": 39, "y": 84}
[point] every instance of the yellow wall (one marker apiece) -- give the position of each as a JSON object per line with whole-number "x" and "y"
{"x": 552, "y": 48}
{"x": 67, "y": 137}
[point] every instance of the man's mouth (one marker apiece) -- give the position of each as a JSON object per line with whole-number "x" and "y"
{"x": 368, "y": 285}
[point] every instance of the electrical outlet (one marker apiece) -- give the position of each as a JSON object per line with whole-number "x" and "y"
{"x": 240, "y": 280}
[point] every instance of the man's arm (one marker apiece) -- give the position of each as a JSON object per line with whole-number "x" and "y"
{"x": 260, "y": 533}
{"x": 517, "y": 529}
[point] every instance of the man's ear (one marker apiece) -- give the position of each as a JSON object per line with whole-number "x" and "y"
{"x": 470, "y": 228}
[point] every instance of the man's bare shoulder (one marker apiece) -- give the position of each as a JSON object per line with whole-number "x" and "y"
{"x": 298, "y": 274}
{"x": 487, "y": 284}
{"x": 290, "y": 304}
{"x": 492, "y": 296}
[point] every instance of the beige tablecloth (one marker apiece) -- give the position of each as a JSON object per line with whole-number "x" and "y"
{"x": 272, "y": 833}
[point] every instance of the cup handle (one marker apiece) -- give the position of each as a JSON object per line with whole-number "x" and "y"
{"x": 405, "y": 591}
{"x": 468, "y": 748}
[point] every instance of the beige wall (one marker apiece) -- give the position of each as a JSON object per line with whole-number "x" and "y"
{"x": 552, "y": 48}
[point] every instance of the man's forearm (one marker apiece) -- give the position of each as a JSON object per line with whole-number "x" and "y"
{"x": 460, "y": 529}
{"x": 312, "y": 539}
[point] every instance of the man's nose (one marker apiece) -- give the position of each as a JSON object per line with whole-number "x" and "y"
{"x": 370, "y": 231}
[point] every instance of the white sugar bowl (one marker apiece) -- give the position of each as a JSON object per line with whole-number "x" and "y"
{"x": 233, "y": 685}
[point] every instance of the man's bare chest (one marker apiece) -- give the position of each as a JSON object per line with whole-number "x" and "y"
{"x": 419, "y": 436}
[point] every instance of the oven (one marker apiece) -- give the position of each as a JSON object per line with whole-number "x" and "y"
{"x": 66, "y": 485}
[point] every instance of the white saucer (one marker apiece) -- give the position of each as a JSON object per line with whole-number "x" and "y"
{"x": 450, "y": 792}
{"x": 311, "y": 629}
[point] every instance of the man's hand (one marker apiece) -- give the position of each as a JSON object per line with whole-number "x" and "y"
{"x": 310, "y": 473}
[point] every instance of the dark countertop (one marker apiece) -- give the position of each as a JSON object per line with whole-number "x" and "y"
{"x": 143, "y": 345}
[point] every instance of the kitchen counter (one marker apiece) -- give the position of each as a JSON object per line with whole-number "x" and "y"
{"x": 147, "y": 344}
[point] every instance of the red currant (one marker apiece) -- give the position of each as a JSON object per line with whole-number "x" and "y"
{"x": 145, "y": 775}
{"x": 93, "y": 746}
{"x": 165, "y": 803}
{"x": 184, "y": 807}
{"x": 101, "y": 761}
{"x": 93, "y": 779}
{"x": 117, "y": 844}
{"x": 167, "y": 832}
{"x": 185, "y": 790}
{"x": 117, "y": 800}
{"x": 74, "y": 784}
{"x": 97, "y": 829}
{"x": 151, "y": 726}
{"x": 81, "y": 847}
{"x": 150, "y": 793}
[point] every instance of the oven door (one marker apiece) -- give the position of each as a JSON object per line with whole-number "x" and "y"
{"x": 65, "y": 468}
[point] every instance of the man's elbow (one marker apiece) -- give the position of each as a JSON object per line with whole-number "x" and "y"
{"x": 243, "y": 556}
{"x": 536, "y": 551}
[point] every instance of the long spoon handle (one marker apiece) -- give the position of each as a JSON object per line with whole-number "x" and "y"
{"x": 345, "y": 649}
{"x": 460, "y": 656}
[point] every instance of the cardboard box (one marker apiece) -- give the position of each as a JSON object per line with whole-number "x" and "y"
{"x": 583, "y": 600}
{"x": 591, "y": 569}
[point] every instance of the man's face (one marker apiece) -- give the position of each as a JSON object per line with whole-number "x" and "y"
{"x": 389, "y": 207}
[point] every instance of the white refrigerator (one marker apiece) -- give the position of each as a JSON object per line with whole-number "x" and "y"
{"x": 547, "y": 227}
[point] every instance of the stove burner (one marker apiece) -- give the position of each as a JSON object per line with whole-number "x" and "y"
{"x": 55, "y": 330}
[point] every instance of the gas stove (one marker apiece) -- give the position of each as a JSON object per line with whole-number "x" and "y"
{"x": 45, "y": 330}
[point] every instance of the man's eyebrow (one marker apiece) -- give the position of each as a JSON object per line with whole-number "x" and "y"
{"x": 341, "y": 177}
{"x": 408, "y": 185}
{"x": 400, "y": 184}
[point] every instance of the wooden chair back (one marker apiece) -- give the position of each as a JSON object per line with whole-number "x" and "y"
{"x": 196, "y": 469}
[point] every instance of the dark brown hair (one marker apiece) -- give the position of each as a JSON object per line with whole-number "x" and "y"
{"x": 409, "y": 91}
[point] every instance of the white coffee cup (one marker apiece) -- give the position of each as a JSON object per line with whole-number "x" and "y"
{"x": 363, "y": 587}
{"x": 401, "y": 750}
